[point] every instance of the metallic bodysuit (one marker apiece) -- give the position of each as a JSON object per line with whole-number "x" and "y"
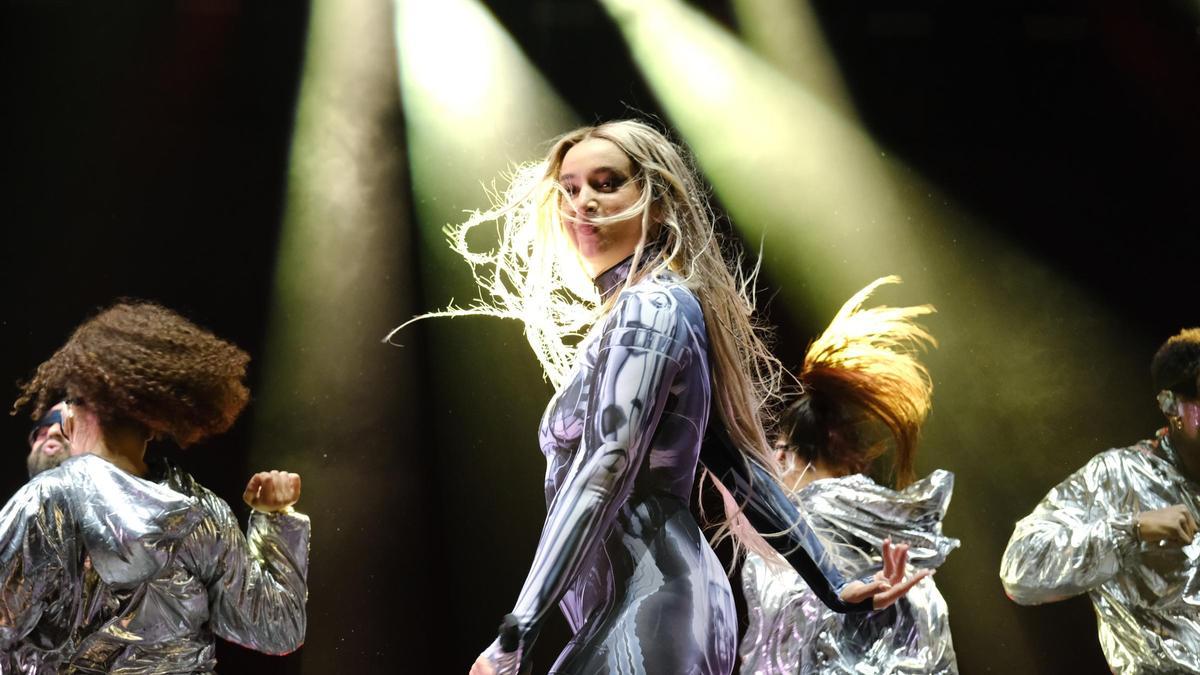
{"x": 103, "y": 572}
{"x": 620, "y": 551}
{"x": 1081, "y": 538}
{"x": 790, "y": 631}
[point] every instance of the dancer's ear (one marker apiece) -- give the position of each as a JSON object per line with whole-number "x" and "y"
{"x": 81, "y": 427}
{"x": 1167, "y": 403}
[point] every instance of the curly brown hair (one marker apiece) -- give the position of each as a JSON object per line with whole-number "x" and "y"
{"x": 139, "y": 362}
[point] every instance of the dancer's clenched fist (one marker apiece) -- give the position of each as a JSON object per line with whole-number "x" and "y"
{"x": 1170, "y": 525}
{"x": 272, "y": 491}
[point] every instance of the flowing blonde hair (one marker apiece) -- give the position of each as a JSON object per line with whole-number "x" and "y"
{"x": 534, "y": 275}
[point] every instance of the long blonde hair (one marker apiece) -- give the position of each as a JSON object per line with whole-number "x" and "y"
{"x": 534, "y": 275}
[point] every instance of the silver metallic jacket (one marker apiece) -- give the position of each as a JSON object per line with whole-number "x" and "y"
{"x": 104, "y": 572}
{"x": 1081, "y": 538}
{"x": 791, "y": 631}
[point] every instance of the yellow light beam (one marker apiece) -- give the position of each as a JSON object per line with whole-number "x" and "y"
{"x": 333, "y": 403}
{"x": 754, "y": 133}
{"x": 473, "y": 106}
{"x": 787, "y": 34}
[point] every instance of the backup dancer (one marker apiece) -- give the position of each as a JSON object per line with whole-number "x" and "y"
{"x": 863, "y": 391}
{"x": 1123, "y": 530}
{"x": 113, "y": 563}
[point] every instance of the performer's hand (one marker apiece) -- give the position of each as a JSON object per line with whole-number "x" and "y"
{"x": 272, "y": 491}
{"x": 482, "y": 667}
{"x": 889, "y": 584}
{"x": 1173, "y": 524}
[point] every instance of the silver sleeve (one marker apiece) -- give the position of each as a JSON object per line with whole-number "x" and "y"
{"x": 257, "y": 582}
{"x": 38, "y": 548}
{"x": 1076, "y": 539}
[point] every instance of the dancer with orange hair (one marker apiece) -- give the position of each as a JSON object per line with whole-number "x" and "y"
{"x": 863, "y": 393}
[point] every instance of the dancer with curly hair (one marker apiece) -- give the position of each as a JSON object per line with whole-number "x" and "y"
{"x": 611, "y": 239}
{"x": 863, "y": 392}
{"x": 111, "y": 562}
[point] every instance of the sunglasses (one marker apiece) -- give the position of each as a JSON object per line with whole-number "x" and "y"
{"x": 48, "y": 420}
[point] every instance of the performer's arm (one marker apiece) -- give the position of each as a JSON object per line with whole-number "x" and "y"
{"x": 771, "y": 513}
{"x": 34, "y": 562}
{"x": 1076, "y": 539}
{"x": 257, "y": 582}
{"x": 639, "y": 355}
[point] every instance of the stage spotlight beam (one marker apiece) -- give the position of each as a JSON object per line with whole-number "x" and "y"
{"x": 474, "y": 106}
{"x": 755, "y": 132}
{"x": 332, "y": 404}
{"x": 787, "y": 34}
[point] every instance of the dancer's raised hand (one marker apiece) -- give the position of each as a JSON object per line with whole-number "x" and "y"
{"x": 888, "y": 584}
{"x": 272, "y": 491}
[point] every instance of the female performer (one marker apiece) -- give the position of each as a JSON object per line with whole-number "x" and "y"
{"x": 113, "y": 563}
{"x": 861, "y": 384}
{"x": 613, "y": 231}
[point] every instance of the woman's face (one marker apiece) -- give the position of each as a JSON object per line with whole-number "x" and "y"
{"x": 597, "y": 177}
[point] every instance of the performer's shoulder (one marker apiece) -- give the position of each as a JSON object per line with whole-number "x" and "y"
{"x": 179, "y": 480}
{"x": 663, "y": 291}
{"x": 1118, "y": 458}
{"x": 72, "y": 473}
{"x": 211, "y": 502}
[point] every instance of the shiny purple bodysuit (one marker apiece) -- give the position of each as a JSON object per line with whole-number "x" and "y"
{"x": 620, "y": 551}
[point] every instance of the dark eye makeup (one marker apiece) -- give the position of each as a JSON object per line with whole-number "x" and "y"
{"x": 603, "y": 180}
{"x": 608, "y": 180}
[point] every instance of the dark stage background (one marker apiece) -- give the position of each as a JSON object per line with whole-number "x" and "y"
{"x": 147, "y": 152}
